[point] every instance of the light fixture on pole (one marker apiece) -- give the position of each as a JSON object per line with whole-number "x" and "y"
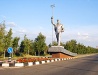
{"x": 52, "y": 6}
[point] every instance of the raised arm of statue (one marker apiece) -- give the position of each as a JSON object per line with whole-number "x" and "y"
{"x": 52, "y": 20}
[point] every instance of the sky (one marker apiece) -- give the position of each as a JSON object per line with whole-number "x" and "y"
{"x": 30, "y": 17}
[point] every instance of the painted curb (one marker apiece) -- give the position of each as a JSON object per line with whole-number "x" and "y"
{"x": 37, "y": 63}
{"x": 43, "y": 62}
{"x": 52, "y": 60}
{"x": 55, "y": 59}
{"x": 48, "y": 61}
{"x": 32, "y": 63}
{"x": 19, "y": 64}
{"x": 5, "y": 64}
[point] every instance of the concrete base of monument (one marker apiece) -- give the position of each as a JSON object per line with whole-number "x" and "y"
{"x": 60, "y": 52}
{"x": 60, "y": 55}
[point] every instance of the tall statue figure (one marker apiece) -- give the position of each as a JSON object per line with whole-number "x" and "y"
{"x": 58, "y": 30}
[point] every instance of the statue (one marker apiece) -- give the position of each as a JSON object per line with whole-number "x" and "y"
{"x": 58, "y": 30}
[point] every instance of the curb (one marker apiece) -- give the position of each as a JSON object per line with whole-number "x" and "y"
{"x": 32, "y": 63}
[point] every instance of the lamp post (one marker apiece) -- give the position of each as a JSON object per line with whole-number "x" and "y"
{"x": 52, "y": 6}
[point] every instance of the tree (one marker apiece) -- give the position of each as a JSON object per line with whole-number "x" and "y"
{"x": 2, "y": 35}
{"x": 39, "y": 43}
{"x": 31, "y": 50}
{"x": 22, "y": 46}
{"x": 15, "y": 43}
{"x": 26, "y": 45}
{"x": 54, "y": 43}
{"x": 81, "y": 49}
{"x": 8, "y": 39}
{"x": 71, "y": 45}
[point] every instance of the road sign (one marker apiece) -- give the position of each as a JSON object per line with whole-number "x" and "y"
{"x": 10, "y": 50}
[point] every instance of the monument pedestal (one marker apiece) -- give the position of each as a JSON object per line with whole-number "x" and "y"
{"x": 60, "y": 52}
{"x": 60, "y": 55}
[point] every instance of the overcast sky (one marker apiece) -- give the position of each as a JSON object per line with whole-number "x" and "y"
{"x": 30, "y": 17}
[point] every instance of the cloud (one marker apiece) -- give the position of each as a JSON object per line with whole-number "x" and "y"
{"x": 22, "y": 31}
{"x": 79, "y": 34}
{"x": 11, "y": 24}
{"x": 83, "y": 36}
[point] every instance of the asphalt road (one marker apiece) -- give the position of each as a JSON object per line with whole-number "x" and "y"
{"x": 80, "y": 66}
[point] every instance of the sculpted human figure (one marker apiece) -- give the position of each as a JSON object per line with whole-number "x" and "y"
{"x": 58, "y": 30}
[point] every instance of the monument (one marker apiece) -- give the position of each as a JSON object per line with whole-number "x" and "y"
{"x": 58, "y": 30}
{"x": 59, "y": 51}
{"x": 57, "y": 27}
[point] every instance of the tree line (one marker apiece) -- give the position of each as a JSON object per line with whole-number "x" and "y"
{"x": 36, "y": 46}
{"x": 27, "y": 46}
{"x": 78, "y": 48}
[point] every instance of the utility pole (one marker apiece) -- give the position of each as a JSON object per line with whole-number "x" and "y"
{"x": 52, "y": 6}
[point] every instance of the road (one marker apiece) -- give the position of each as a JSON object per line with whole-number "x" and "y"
{"x": 80, "y": 66}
